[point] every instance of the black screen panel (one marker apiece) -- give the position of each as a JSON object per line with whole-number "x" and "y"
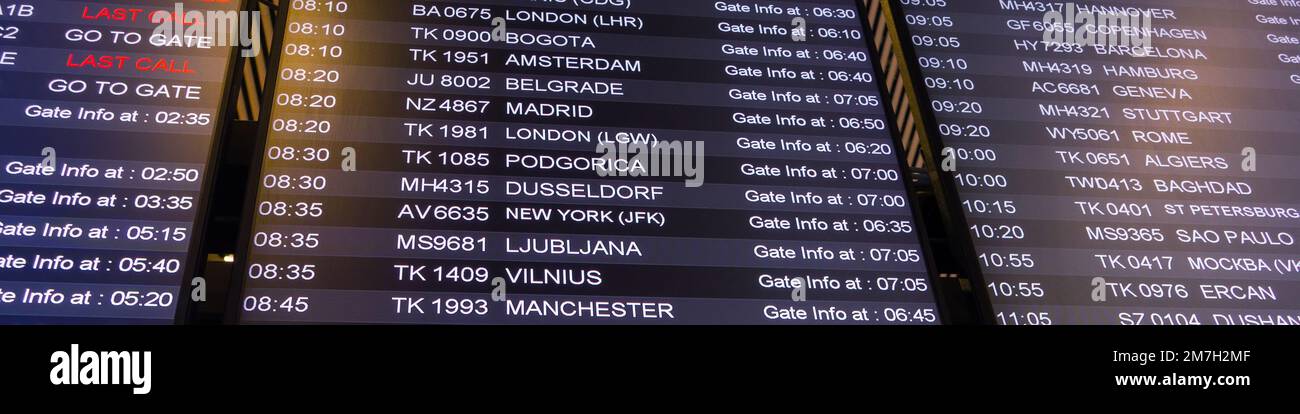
{"x": 416, "y": 165}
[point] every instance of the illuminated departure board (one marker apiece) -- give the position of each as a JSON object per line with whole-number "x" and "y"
{"x": 464, "y": 162}
{"x": 1148, "y": 176}
{"x": 107, "y": 122}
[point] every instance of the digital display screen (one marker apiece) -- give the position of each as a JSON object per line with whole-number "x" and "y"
{"x": 467, "y": 162}
{"x": 1122, "y": 162}
{"x": 107, "y": 122}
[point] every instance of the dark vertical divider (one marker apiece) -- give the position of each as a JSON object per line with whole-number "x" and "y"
{"x": 238, "y": 151}
{"x": 960, "y": 283}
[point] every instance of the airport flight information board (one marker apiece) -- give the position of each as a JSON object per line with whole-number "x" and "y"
{"x": 1117, "y": 185}
{"x": 436, "y": 162}
{"x": 108, "y": 125}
